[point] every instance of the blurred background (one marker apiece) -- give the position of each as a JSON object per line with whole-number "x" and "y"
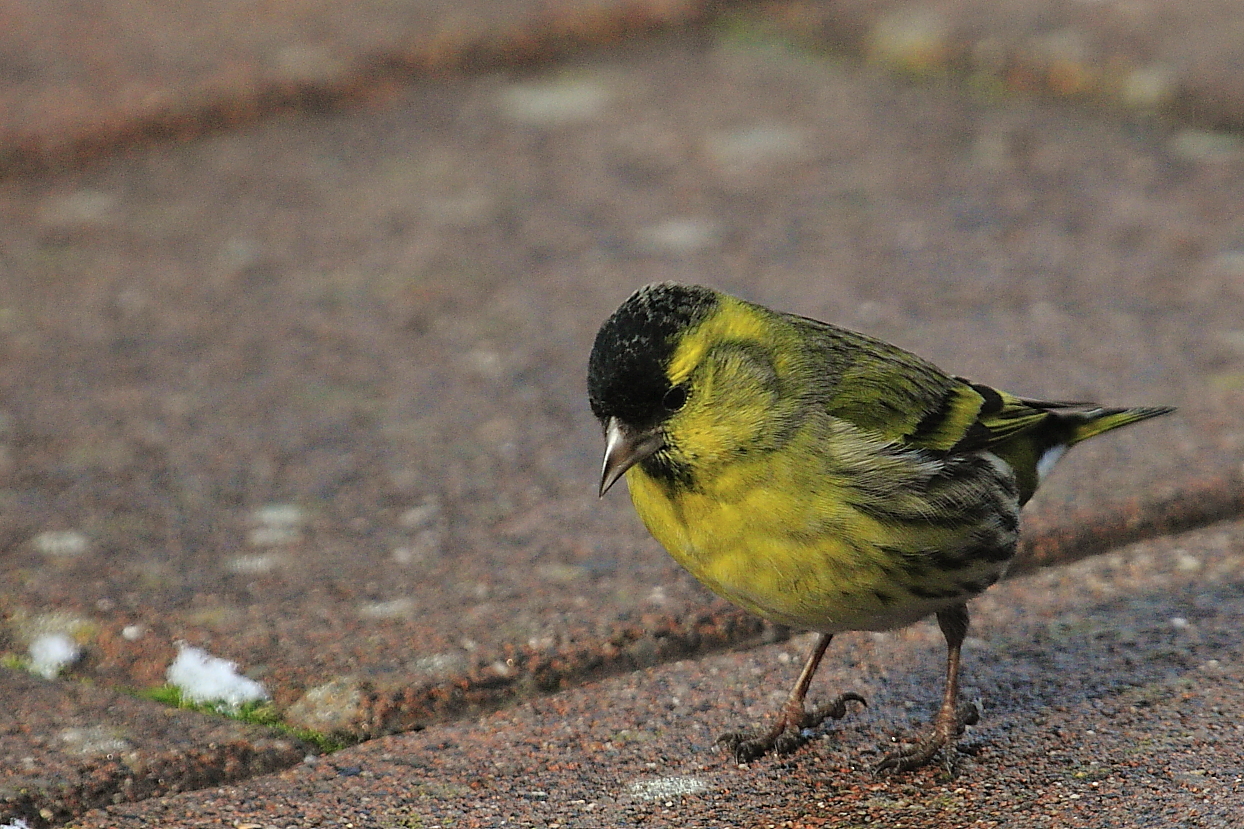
{"x": 296, "y": 300}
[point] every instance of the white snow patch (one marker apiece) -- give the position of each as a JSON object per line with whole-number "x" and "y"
{"x": 663, "y": 788}
{"x": 391, "y": 609}
{"x": 204, "y": 678}
{"x": 424, "y": 515}
{"x": 276, "y": 525}
{"x": 258, "y": 562}
{"x": 279, "y": 515}
{"x": 51, "y": 652}
{"x": 554, "y": 102}
{"x": 93, "y": 740}
{"x": 61, "y": 543}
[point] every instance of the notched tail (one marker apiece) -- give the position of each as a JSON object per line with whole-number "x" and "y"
{"x": 1094, "y": 422}
{"x": 1033, "y": 455}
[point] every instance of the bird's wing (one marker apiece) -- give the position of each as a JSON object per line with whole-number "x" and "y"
{"x": 952, "y": 415}
{"x": 916, "y": 404}
{"x": 1003, "y": 417}
{"x": 904, "y": 398}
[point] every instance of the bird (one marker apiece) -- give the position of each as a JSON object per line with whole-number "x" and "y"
{"x": 821, "y": 478}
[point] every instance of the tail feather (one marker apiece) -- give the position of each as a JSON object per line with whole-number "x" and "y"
{"x": 1033, "y": 454}
{"x": 1094, "y": 422}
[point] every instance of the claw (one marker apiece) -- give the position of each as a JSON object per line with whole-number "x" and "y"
{"x": 791, "y": 731}
{"x": 951, "y": 718}
{"x": 835, "y": 710}
{"x": 794, "y": 722}
{"x": 946, "y": 729}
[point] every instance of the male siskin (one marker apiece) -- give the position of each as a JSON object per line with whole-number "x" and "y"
{"x": 821, "y": 478}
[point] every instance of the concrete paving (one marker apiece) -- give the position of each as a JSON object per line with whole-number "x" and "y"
{"x": 307, "y": 392}
{"x": 1111, "y": 693}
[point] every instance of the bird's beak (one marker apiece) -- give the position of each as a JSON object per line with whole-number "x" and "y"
{"x": 625, "y": 447}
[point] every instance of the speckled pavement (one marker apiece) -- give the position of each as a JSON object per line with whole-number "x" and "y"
{"x": 1111, "y": 692}
{"x": 304, "y": 387}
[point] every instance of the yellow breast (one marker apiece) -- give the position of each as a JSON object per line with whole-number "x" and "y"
{"x": 787, "y": 559}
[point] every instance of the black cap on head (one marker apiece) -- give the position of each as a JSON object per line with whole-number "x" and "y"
{"x": 626, "y": 372}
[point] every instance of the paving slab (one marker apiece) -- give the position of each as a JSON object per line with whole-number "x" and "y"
{"x": 307, "y": 391}
{"x": 1112, "y": 693}
{"x": 68, "y": 747}
{"x": 309, "y": 394}
{"x": 1176, "y": 60}
{"x": 80, "y": 82}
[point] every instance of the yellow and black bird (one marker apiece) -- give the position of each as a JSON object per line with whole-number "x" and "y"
{"x": 821, "y": 478}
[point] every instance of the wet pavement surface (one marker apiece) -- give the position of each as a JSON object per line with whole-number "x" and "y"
{"x": 304, "y": 388}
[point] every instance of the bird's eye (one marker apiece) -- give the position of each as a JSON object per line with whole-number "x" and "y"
{"x": 675, "y": 398}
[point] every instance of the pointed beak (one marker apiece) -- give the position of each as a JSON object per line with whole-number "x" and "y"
{"x": 625, "y": 447}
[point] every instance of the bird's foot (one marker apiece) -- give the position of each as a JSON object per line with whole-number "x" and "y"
{"x": 947, "y": 726}
{"x": 789, "y": 732}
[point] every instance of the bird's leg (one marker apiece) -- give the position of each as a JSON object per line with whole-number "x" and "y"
{"x": 786, "y": 735}
{"x": 951, "y": 717}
